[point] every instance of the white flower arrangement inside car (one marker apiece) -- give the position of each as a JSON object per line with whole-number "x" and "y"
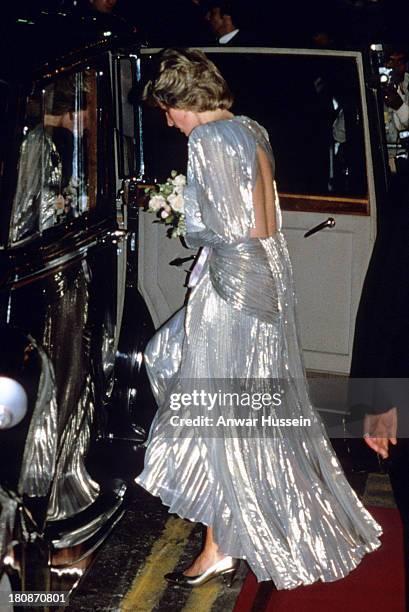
{"x": 167, "y": 203}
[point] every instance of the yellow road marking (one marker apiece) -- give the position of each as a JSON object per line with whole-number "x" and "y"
{"x": 202, "y": 598}
{"x": 149, "y": 585}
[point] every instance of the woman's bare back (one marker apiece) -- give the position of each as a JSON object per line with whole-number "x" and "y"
{"x": 264, "y": 198}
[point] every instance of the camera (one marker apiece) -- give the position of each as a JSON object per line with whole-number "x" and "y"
{"x": 402, "y": 155}
{"x": 389, "y": 77}
{"x": 404, "y": 139}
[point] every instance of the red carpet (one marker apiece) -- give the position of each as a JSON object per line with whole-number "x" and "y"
{"x": 376, "y": 585}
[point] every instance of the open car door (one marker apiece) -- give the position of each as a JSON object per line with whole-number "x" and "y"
{"x": 314, "y": 105}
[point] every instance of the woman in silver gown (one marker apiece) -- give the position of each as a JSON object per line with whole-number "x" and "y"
{"x": 272, "y": 494}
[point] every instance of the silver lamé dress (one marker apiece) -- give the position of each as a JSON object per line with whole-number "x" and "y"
{"x": 278, "y": 497}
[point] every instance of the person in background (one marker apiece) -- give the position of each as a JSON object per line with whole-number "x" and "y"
{"x": 396, "y": 96}
{"x": 224, "y": 18}
{"x": 103, "y": 6}
{"x": 104, "y": 16}
{"x": 379, "y": 401}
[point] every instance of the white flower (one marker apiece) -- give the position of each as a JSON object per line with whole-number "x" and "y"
{"x": 157, "y": 202}
{"x": 176, "y": 201}
{"x": 167, "y": 202}
{"x": 179, "y": 180}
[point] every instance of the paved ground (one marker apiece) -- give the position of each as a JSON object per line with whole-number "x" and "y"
{"x": 127, "y": 573}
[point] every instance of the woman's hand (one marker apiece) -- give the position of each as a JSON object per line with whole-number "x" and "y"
{"x": 380, "y": 430}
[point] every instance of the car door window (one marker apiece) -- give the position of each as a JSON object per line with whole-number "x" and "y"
{"x": 311, "y": 107}
{"x": 57, "y": 169}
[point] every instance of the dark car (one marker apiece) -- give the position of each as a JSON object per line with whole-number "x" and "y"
{"x": 73, "y": 395}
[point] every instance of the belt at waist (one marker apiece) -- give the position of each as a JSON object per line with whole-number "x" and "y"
{"x": 241, "y": 275}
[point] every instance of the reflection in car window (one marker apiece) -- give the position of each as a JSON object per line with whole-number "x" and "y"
{"x": 130, "y": 155}
{"x": 56, "y": 172}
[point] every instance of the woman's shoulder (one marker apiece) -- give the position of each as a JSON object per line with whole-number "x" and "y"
{"x": 239, "y": 127}
{"x": 229, "y": 132}
{"x": 259, "y": 132}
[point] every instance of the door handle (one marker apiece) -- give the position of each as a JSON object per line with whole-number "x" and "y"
{"x": 179, "y": 261}
{"x": 128, "y": 197}
{"x": 129, "y": 192}
{"x": 330, "y": 222}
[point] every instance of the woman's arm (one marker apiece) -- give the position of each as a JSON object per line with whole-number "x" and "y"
{"x": 220, "y": 156}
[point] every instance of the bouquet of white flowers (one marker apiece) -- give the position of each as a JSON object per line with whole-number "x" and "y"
{"x": 166, "y": 201}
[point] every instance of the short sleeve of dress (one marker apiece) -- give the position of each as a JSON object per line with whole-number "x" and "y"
{"x": 222, "y": 157}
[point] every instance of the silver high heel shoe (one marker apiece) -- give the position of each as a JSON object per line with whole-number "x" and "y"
{"x": 226, "y": 568}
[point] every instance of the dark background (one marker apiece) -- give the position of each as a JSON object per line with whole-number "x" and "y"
{"x": 348, "y": 23}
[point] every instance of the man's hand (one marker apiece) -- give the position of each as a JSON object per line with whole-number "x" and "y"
{"x": 380, "y": 430}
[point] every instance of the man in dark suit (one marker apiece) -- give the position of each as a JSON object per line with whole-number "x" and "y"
{"x": 224, "y": 19}
{"x": 380, "y": 360}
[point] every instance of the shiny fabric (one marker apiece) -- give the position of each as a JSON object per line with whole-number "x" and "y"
{"x": 68, "y": 332}
{"x": 38, "y": 185}
{"x": 8, "y": 507}
{"x": 278, "y": 499}
{"x": 73, "y": 488}
{"x": 40, "y": 451}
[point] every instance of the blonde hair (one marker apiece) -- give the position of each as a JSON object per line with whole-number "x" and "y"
{"x": 187, "y": 79}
